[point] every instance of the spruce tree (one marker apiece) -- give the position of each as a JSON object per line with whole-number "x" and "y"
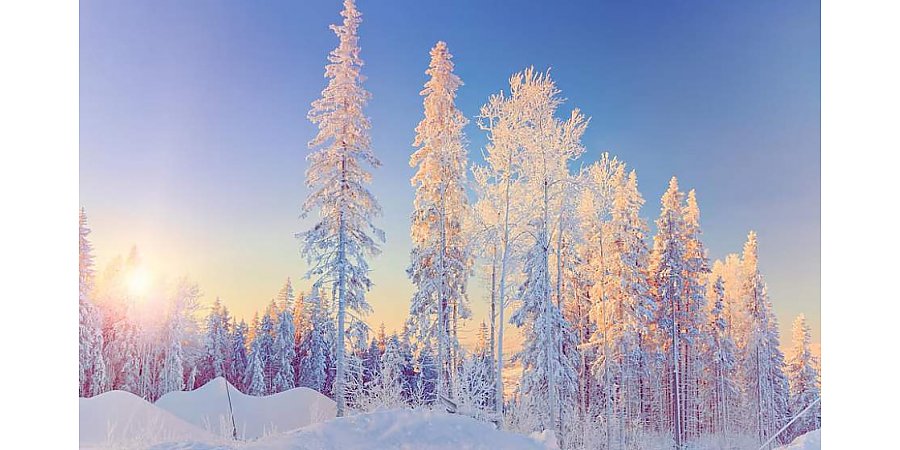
{"x": 238, "y": 355}
{"x": 336, "y": 247}
{"x": 92, "y": 378}
{"x": 803, "y": 375}
{"x": 283, "y": 353}
{"x": 668, "y": 270}
{"x": 314, "y": 346}
{"x": 440, "y": 260}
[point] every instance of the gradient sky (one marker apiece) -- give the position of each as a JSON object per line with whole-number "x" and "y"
{"x": 193, "y": 124}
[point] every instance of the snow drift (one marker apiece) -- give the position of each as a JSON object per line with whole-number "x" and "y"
{"x": 387, "y": 429}
{"x": 119, "y": 419}
{"x": 254, "y": 417}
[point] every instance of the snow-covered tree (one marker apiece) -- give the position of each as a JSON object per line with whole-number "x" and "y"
{"x": 424, "y": 388}
{"x": 285, "y": 298}
{"x": 385, "y": 389}
{"x": 216, "y": 343}
{"x": 622, "y": 308}
{"x": 283, "y": 353}
{"x": 336, "y": 247}
{"x": 803, "y": 375}
{"x": 261, "y": 359}
{"x": 722, "y": 391}
{"x": 255, "y": 381}
{"x": 371, "y": 361}
{"x": 314, "y": 346}
{"x": 92, "y": 378}
{"x": 696, "y": 332}
{"x": 237, "y": 367}
{"x": 503, "y": 207}
{"x": 668, "y": 270}
{"x": 762, "y": 360}
{"x": 476, "y": 387}
{"x": 440, "y": 260}
{"x": 548, "y": 384}
{"x": 182, "y": 306}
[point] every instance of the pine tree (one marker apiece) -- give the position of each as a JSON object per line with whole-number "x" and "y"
{"x": 440, "y": 259}
{"x": 803, "y": 375}
{"x": 336, "y": 247}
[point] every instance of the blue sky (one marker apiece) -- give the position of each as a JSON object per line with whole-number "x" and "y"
{"x": 193, "y": 123}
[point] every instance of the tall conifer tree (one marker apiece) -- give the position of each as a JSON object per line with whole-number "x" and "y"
{"x": 336, "y": 247}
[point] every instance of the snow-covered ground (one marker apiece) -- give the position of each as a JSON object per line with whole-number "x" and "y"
{"x": 385, "y": 429}
{"x": 394, "y": 429}
{"x": 254, "y": 417}
{"x": 296, "y": 419}
{"x": 809, "y": 441}
{"x": 119, "y": 419}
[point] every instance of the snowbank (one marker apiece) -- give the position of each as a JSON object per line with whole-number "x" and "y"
{"x": 387, "y": 429}
{"x": 808, "y": 441}
{"x": 254, "y": 417}
{"x": 401, "y": 429}
{"x": 119, "y": 419}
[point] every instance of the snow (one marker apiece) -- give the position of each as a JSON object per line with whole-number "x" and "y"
{"x": 389, "y": 429}
{"x": 119, "y": 419}
{"x": 207, "y": 408}
{"x": 808, "y": 441}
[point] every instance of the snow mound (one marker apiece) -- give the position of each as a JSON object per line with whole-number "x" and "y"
{"x": 808, "y": 441}
{"x": 254, "y": 417}
{"x": 401, "y": 429}
{"x": 405, "y": 429}
{"x": 119, "y": 419}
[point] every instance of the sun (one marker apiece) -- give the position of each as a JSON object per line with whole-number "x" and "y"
{"x": 138, "y": 282}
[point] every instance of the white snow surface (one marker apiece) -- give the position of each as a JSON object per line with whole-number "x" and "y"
{"x": 119, "y": 419}
{"x": 808, "y": 441}
{"x": 386, "y": 429}
{"x": 254, "y": 417}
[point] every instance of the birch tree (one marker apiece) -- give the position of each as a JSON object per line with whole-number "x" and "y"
{"x": 549, "y": 382}
{"x": 501, "y": 208}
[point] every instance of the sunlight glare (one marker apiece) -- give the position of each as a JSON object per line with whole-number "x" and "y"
{"x": 138, "y": 282}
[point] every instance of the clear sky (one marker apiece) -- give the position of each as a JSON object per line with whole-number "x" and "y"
{"x": 193, "y": 124}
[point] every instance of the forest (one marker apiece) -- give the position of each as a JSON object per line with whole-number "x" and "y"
{"x": 631, "y": 334}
